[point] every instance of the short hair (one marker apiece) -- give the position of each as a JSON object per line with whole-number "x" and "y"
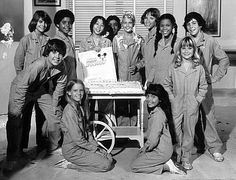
{"x": 63, "y": 13}
{"x": 198, "y": 17}
{"x": 113, "y": 17}
{"x": 129, "y": 15}
{"x": 55, "y": 45}
{"x": 94, "y": 20}
{"x": 37, "y": 15}
{"x": 153, "y": 11}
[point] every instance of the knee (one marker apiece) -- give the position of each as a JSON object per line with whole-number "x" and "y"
{"x": 107, "y": 166}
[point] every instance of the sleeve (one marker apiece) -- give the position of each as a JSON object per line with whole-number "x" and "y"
{"x": 28, "y": 77}
{"x": 168, "y": 82}
{"x": 202, "y": 85}
{"x": 156, "y": 130}
{"x": 115, "y": 45}
{"x": 19, "y": 58}
{"x": 60, "y": 88}
{"x": 69, "y": 120}
{"x": 223, "y": 60}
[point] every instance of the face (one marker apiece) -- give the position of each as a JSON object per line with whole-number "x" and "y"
{"x": 166, "y": 27}
{"x": 55, "y": 58}
{"x": 65, "y": 25}
{"x": 149, "y": 21}
{"x": 98, "y": 27}
{"x": 152, "y": 100}
{"x": 193, "y": 27}
{"x": 41, "y": 26}
{"x": 114, "y": 25}
{"x": 127, "y": 24}
{"x": 77, "y": 93}
{"x": 187, "y": 52}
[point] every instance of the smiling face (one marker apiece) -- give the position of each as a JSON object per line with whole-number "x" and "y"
{"x": 98, "y": 27}
{"x": 193, "y": 27}
{"x": 65, "y": 25}
{"x": 41, "y": 26}
{"x": 186, "y": 52}
{"x": 166, "y": 27}
{"x": 152, "y": 100}
{"x": 149, "y": 21}
{"x": 55, "y": 58}
{"x": 127, "y": 24}
{"x": 114, "y": 25}
{"x": 77, "y": 92}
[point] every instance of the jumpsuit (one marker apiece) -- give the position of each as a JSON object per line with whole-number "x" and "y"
{"x": 186, "y": 91}
{"x": 70, "y": 57}
{"x": 162, "y": 61}
{"x": 79, "y": 146}
{"x": 128, "y": 53}
{"x": 32, "y": 85}
{"x": 28, "y": 51}
{"x": 209, "y": 49}
{"x": 159, "y": 138}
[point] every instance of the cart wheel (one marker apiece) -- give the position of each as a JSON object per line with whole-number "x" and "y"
{"x": 101, "y": 116}
{"x": 104, "y": 135}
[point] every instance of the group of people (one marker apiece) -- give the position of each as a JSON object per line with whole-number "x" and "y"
{"x": 176, "y": 73}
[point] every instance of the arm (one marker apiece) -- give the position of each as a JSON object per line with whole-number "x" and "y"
{"x": 19, "y": 58}
{"x": 223, "y": 60}
{"x": 202, "y": 85}
{"x": 156, "y": 129}
{"x": 69, "y": 120}
{"x": 168, "y": 82}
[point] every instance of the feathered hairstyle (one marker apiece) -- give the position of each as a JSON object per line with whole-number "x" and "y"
{"x": 54, "y": 45}
{"x": 153, "y": 11}
{"x": 37, "y": 15}
{"x": 159, "y": 35}
{"x": 187, "y": 42}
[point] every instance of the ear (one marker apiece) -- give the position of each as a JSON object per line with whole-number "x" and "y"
{"x": 69, "y": 93}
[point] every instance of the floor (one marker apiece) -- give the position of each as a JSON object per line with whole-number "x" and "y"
{"x": 204, "y": 167}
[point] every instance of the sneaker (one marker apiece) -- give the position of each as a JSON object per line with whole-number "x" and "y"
{"x": 174, "y": 169}
{"x": 218, "y": 157}
{"x": 187, "y": 165}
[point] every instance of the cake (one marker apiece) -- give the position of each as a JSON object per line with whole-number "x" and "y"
{"x": 114, "y": 87}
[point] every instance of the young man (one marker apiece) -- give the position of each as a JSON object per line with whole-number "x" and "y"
{"x": 64, "y": 20}
{"x": 34, "y": 84}
{"x": 208, "y": 49}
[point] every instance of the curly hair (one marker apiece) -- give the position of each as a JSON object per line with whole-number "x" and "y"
{"x": 61, "y": 14}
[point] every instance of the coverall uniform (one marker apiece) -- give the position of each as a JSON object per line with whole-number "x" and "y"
{"x": 78, "y": 146}
{"x": 209, "y": 49}
{"x": 30, "y": 48}
{"x": 32, "y": 85}
{"x": 70, "y": 57}
{"x": 186, "y": 91}
{"x": 162, "y": 61}
{"x": 128, "y": 53}
{"x": 159, "y": 139}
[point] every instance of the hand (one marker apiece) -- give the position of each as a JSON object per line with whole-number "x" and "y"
{"x": 147, "y": 83}
{"x": 143, "y": 149}
{"x": 132, "y": 69}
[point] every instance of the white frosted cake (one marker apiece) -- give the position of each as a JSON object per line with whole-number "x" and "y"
{"x": 114, "y": 87}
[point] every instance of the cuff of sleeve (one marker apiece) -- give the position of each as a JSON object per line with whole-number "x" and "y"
{"x": 199, "y": 99}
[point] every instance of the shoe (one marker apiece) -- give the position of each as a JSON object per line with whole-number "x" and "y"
{"x": 63, "y": 164}
{"x": 57, "y": 151}
{"x": 174, "y": 169}
{"x": 187, "y": 165}
{"x": 218, "y": 157}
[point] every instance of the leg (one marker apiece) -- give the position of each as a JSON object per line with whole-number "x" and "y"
{"x": 212, "y": 138}
{"x": 90, "y": 161}
{"x": 51, "y": 127}
{"x": 151, "y": 162}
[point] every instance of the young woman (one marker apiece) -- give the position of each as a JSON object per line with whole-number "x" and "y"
{"x": 79, "y": 147}
{"x": 127, "y": 52}
{"x": 155, "y": 156}
{"x": 186, "y": 85}
{"x": 31, "y": 48}
{"x": 165, "y": 43}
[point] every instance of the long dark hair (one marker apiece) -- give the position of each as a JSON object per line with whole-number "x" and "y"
{"x": 159, "y": 35}
{"x": 164, "y": 103}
